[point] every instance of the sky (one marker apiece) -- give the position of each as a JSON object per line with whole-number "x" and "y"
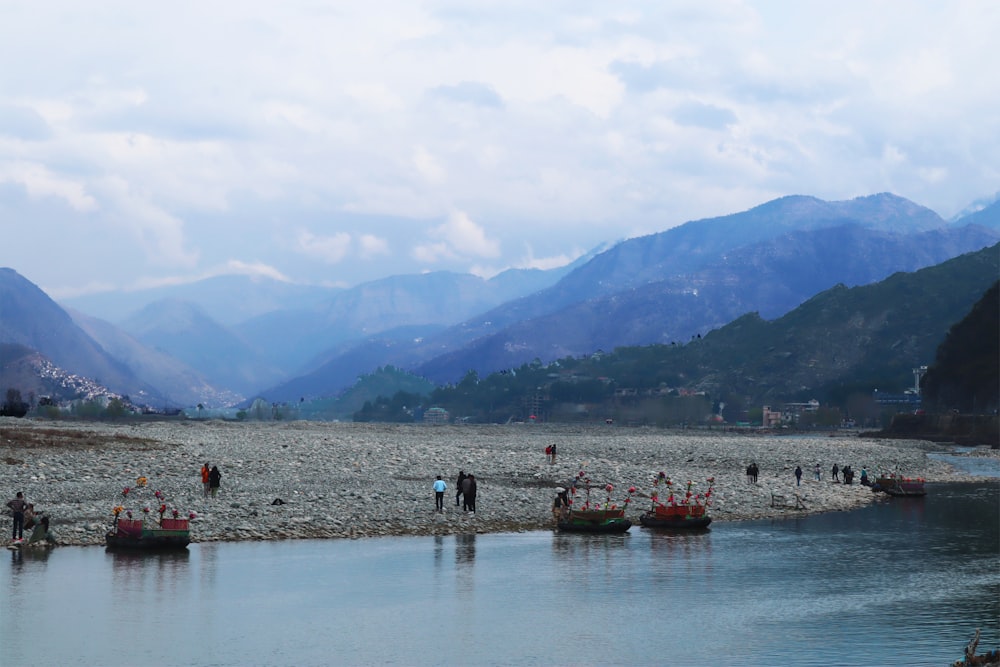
{"x": 145, "y": 144}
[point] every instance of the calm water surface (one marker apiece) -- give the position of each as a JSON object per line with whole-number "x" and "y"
{"x": 904, "y": 582}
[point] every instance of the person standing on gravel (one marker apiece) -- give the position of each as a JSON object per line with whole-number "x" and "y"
{"x": 204, "y": 478}
{"x": 458, "y": 486}
{"x": 17, "y": 507}
{"x": 469, "y": 494}
{"x": 214, "y": 479}
{"x": 798, "y": 475}
{"x": 439, "y": 487}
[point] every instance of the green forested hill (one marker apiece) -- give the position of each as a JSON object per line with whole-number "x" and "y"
{"x": 842, "y": 343}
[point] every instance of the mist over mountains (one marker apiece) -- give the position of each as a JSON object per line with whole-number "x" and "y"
{"x": 225, "y": 339}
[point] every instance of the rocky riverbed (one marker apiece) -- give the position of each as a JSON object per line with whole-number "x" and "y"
{"x": 359, "y": 480}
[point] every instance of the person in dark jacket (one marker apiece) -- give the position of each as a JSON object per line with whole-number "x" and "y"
{"x": 17, "y": 507}
{"x": 798, "y": 475}
{"x": 214, "y": 480}
{"x": 458, "y": 486}
{"x": 469, "y": 493}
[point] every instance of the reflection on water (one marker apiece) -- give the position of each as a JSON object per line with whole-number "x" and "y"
{"x": 465, "y": 549}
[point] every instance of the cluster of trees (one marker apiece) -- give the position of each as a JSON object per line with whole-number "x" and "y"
{"x": 627, "y": 386}
{"x": 13, "y": 405}
{"x": 111, "y": 409}
{"x": 964, "y": 375}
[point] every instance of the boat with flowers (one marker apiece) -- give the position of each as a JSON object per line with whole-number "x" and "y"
{"x": 148, "y": 529}
{"x": 689, "y": 512}
{"x": 596, "y": 517}
{"x": 897, "y": 485}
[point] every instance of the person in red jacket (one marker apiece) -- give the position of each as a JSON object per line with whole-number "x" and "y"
{"x": 204, "y": 478}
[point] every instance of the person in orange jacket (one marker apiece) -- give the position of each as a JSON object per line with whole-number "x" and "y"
{"x": 204, "y": 478}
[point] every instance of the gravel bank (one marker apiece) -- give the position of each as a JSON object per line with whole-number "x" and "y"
{"x": 359, "y": 480}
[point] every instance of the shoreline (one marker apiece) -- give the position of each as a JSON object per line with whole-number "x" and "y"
{"x": 346, "y": 480}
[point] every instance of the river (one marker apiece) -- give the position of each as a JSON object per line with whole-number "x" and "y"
{"x": 902, "y": 582}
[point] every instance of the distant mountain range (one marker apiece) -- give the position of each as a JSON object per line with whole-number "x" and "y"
{"x": 226, "y": 338}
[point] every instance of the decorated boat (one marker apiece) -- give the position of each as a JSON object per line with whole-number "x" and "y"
{"x": 687, "y": 512}
{"x": 589, "y": 517}
{"x": 153, "y": 528}
{"x": 897, "y": 485}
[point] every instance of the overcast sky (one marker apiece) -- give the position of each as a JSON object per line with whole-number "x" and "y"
{"x": 339, "y": 142}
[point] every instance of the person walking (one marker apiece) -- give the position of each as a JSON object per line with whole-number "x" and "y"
{"x": 205, "y": 470}
{"x": 816, "y": 472}
{"x": 553, "y": 459}
{"x": 754, "y": 470}
{"x": 798, "y": 475}
{"x": 17, "y": 507}
{"x": 214, "y": 479}
{"x": 836, "y": 472}
{"x": 439, "y": 487}
{"x": 458, "y": 486}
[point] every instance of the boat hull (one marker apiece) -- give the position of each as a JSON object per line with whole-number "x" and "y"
{"x": 139, "y": 535}
{"x": 612, "y": 526}
{"x": 650, "y": 520}
{"x": 899, "y": 487}
{"x": 165, "y": 540}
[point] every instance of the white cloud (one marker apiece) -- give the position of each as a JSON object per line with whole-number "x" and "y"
{"x": 329, "y": 249}
{"x": 565, "y": 123}
{"x": 372, "y": 246}
{"x": 39, "y": 181}
{"x": 458, "y": 238}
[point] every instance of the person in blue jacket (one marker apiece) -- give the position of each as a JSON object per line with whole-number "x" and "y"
{"x": 439, "y": 488}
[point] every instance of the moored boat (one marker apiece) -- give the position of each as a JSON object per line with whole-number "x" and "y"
{"x": 592, "y": 518}
{"x": 152, "y": 531}
{"x": 897, "y": 485}
{"x": 687, "y": 512}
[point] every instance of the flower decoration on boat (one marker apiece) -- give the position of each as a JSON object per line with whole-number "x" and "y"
{"x": 128, "y": 513}
{"x": 192, "y": 515}
{"x": 176, "y": 513}
{"x": 125, "y": 492}
{"x": 118, "y": 509}
{"x": 163, "y": 509}
{"x": 141, "y": 481}
{"x": 145, "y": 510}
{"x": 158, "y": 494}
{"x": 708, "y": 493}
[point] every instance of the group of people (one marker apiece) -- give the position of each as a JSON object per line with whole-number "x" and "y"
{"x": 24, "y": 516}
{"x": 465, "y": 492}
{"x": 752, "y": 472}
{"x": 211, "y": 479}
{"x": 550, "y": 453}
{"x": 836, "y": 472}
